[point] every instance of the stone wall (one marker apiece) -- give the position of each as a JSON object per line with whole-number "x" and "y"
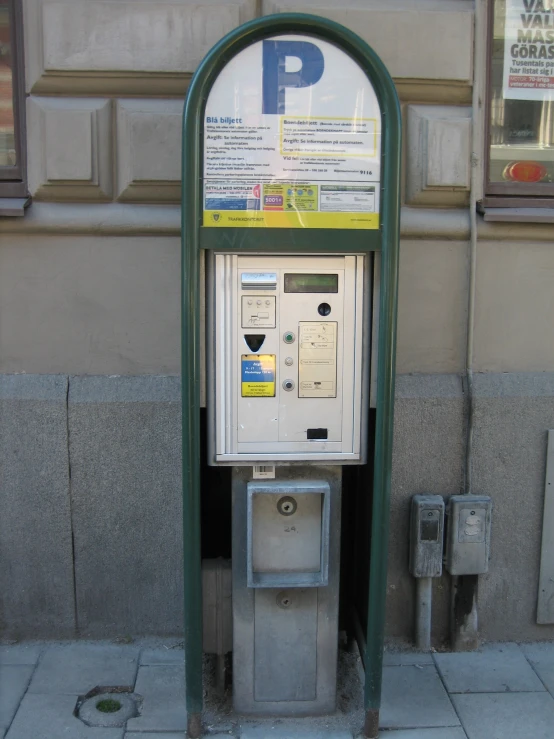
{"x": 90, "y": 536}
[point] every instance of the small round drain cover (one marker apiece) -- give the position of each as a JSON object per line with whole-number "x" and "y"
{"x": 108, "y": 709}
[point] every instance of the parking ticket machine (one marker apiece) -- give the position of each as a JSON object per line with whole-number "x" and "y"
{"x": 290, "y": 188}
{"x": 288, "y": 366}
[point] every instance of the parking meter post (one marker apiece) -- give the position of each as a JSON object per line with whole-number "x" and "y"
{"x": 190, "y": 364}
{"x": 388, "y": 99}
{"x": 294, "y": 241}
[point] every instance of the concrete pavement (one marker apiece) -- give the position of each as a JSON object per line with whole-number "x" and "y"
{"x": 503, "y": 691}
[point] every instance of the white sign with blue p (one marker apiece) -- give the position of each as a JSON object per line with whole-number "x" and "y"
{"x": 292, "y": 138}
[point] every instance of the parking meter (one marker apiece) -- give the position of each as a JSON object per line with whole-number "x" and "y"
{"x": 290, "y": 185}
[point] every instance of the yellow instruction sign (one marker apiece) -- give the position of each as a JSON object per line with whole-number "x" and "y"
{"x": 258, "y": 375}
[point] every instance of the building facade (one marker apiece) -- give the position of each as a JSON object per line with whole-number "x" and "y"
{"x": 90, "y": 530}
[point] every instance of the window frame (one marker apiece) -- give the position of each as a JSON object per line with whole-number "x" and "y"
{"x": 13, "y": 182}
{"x": 508, "y": 194}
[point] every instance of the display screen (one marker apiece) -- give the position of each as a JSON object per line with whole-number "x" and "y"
{"x": 299, "y": 283}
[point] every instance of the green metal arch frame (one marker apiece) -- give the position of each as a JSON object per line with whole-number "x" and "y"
{"x": 386, "y": 240}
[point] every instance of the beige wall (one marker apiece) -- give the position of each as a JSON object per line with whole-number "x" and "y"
{"x": 432, "y": 306}
{"x": 89, "y": 305}
{"x": 514, "y": 311}
{"x": 105, "y": 95}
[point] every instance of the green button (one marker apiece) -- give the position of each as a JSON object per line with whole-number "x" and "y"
{"x": 289, "y": 337}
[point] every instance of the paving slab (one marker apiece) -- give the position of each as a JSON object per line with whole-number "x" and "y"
{"x": 443, "y": 733}
{"x": 495, "y": 668}
{"x": 162, "y": 656}
{"x": 162, "y": 688}
{"x": 506, "y": 715}
{"x": 13, "y": 684}
{"x": 413, "y": 697}
{"x": 284, "y": 733}
{"x": 51, "y": 717}
{"x": 165, "y": 735}
{"x": 541, "y": 656}
{"x": 20, "y": 654}
{"x": 75, "y": 669}
{"x": 391, "y": 659}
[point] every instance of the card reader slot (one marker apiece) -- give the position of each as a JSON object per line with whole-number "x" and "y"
{"x": 319, "y": 434}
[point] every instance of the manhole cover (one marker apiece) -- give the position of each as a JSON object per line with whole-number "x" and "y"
{"x": 108, "y": 709}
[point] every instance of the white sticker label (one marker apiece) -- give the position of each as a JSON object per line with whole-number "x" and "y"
{"x": 264, "y": 472}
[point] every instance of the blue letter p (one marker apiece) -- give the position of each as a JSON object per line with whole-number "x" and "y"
{"x": 275, "y": 77}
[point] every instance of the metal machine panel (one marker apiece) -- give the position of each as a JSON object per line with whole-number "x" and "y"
{"x": 291, "y": 544}
{"x": 426, "y": 535}
{"x": 285, "y": 638}
{"x": 285, "y": 645}
{"x": 468, "y": 539}
{"x": 317, "y": 359}
{"x": 308, "y": 313}
{"x": 288, "y": 533}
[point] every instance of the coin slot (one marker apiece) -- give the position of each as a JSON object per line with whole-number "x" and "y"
{"x": 287, "y": 505}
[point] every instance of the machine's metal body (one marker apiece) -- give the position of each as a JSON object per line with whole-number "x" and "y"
{"x": 288, "y": 369}
{"x": 469, "y": 534}
{"x": 288, "y": 358}
{"x": 285, "y": 628}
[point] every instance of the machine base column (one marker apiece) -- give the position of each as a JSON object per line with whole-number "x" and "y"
{"x": 286, "y": 541}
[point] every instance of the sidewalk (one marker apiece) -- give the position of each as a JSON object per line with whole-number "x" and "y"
{"x": 504, "y": 691}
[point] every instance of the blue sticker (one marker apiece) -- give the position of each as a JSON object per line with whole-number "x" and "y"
{"x": 258, "y": 370}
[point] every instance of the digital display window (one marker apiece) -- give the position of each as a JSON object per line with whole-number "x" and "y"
{"x": 309, "y": 283}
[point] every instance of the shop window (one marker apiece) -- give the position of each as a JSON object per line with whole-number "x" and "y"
{"x": 12, "y": 99}
{"x": 520, "y": 104}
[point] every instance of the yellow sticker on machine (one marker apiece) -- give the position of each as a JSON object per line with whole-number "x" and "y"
{"x": 258, "y": 375}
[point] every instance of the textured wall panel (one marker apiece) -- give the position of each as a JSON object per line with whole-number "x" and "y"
{"x": 438, "y": 148}
{"x": 97, "y": 45}
{"x": 149, "y": 150}
{"x": 430, "y": 39}
{"x": 512, "y": 415}
{"x": 69, "y": 148}
{"x": 125, "y": 447}
{"x": 89, "y": 304}
{"x": 36, "y": 567}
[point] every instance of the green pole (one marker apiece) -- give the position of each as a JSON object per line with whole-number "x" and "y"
{"x": 379, "y": 531}
{"x": 190, "y": 367}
